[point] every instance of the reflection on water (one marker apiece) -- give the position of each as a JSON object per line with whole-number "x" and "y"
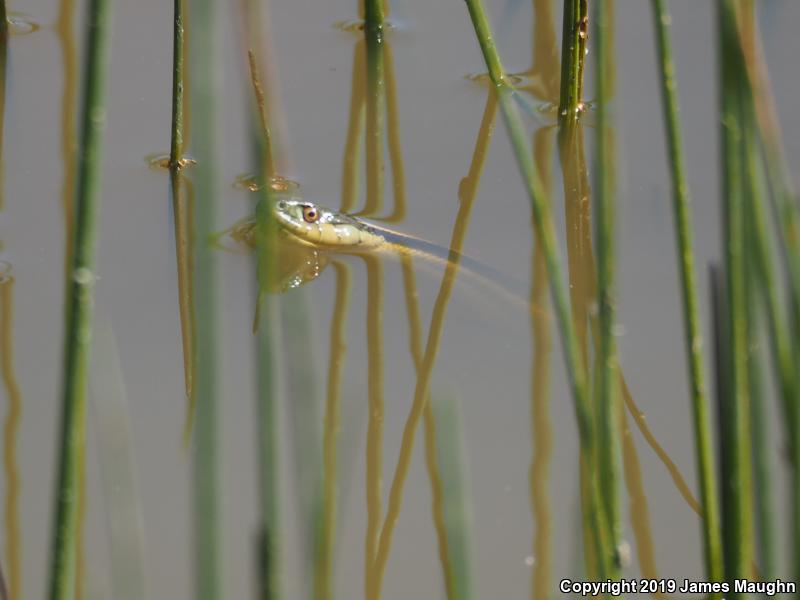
{"x": 379, "y": 328}
{"x": 300, "y": 264}
{"x": 295, "y": 265}
{"x": 541, "y": 426}
{"x": 250, "y": 182}
{"x": 541, "y": 81}
{"x": 13, "y": 549}
{"x": 161, "y": 161}
{"x": 421, "y": 391}
{"x": 374, "y": 459}
{"x": 323, "y": 575}
{"x": 182, "y": 192}
{"x": 484, "y": 78}
{"x": 357, "y": 25}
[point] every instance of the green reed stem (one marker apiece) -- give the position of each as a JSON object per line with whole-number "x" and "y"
{"x": 268, "y": 430}
{"x": 758, "y": 99}
{"x": 780, "y": 180}
{"x": 762, "y": 472}
{"x": 758, "y": 263}
{"x": 786, "y": 354}
{"x": 203, "y": 82}
{"x": 609, "y": 403}
{"x": 770, "y": 291}
{"x": 735, "y": 435}
{"x": 457, "y": 509}
{"x": 681, "y": 204}
{"x": 267, "y": 405}
{"x": 78, "y": 305}
{"x": 545, "y": 231}
{"x": 178, "y": 78}
{"x": 261, "y": 137}
{"x": 486, "y": 41}
{"x": 374, "y": 15}
{"x": 375, "y": 119}
{"x": 573, "y": 51}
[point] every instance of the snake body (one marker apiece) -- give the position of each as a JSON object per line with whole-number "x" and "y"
{"x": 322, "y": 228}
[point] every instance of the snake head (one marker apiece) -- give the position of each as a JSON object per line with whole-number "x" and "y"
{"x": 316, "y": 225}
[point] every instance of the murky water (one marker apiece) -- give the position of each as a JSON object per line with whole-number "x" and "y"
{"x": 445, "y": 147}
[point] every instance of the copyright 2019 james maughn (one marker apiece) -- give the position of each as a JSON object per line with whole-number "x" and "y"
{"x": 668, "y": 586}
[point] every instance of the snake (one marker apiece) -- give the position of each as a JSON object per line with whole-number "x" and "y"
{"x": 322, "y": 228}
{"x": 314, "y": 232}
{"x": 325, "y": 230}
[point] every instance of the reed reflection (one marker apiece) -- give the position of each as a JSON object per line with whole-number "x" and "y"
{"x": 467, "y": 193}
{"x": 323, "y": 575}
{"x": 580, "y": 272}
{"x": 11, "y": 581}
{"x": 69, "y": 146}
{"x": 431, "y": 458}
{"x": 374, "y": 98}
{"x": 467, "y": 189}
{"x": 374, "y": 449}
{"x": 373, "y": 108}
{"x": 182, "y": 193}
{"x": 11, "y": 584}
{"x": 380, "y": 529}
{"x": 13, "y": 420}
{"x": 542, "y": 82}
{"x": 373, "y": 83}
{"x": 541, "y": 425}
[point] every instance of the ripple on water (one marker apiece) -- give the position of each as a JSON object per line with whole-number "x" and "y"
{"x": 357, "y": 25}
{"x": 21, "y": 24}
{"x": 485, "y": 79}
{"x": 161, "y": 161}
{"x": 249, "y": 181}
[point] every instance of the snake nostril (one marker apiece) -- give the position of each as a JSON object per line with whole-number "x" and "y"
{"x": 281, "y": 204}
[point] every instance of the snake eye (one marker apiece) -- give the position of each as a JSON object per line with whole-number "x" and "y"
{"x": 310, "y": 214}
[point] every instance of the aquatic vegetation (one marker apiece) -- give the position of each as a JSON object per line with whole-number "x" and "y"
{"x": 315, "y": 487}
